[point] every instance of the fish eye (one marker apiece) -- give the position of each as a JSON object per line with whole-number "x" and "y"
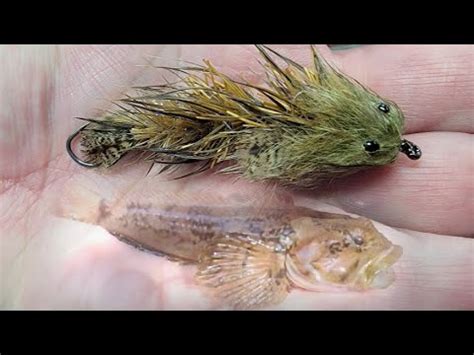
{"x": 371, "y": 146}
{"x": 383, "y": 107}
{"x": 358, "y": 240}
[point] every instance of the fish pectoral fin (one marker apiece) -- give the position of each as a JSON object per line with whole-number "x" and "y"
{"x": 243, "y": 273}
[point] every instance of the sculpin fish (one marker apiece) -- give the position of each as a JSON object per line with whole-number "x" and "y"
{"x": 251, "y": 258}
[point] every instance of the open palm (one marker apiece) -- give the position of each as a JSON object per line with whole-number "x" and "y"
{"x": 50, "y": 260}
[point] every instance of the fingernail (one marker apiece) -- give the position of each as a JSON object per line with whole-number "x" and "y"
{"x": 343, "y": 47}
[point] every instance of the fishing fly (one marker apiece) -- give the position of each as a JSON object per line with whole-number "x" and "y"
{"x": 305, "y": 125}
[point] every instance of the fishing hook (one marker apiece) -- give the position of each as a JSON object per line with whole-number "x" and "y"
{"x": 73, "y": 155}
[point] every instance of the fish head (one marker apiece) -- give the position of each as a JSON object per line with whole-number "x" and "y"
{"x": 340, "y": 253}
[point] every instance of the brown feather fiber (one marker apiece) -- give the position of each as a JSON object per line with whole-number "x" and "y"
{"x": 303, "y": 126}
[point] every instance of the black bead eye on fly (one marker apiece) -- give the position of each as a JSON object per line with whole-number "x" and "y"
{"x": 371, "y": 146}
{"x": 383, "y": 107}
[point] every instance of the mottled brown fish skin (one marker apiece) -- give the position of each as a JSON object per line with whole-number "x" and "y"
{"x": 251, "y": 258}
{"x": 185, "y": 232}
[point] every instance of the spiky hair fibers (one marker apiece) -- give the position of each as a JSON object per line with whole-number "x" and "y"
{"x": 305, "y": 126}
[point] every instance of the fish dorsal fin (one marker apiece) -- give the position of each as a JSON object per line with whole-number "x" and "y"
{"x": 244, "y": 273}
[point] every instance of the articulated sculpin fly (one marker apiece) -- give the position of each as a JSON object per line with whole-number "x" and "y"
{"x": 306, "y": 125}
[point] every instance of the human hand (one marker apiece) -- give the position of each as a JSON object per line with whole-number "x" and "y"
{"x": 50, "y": 261}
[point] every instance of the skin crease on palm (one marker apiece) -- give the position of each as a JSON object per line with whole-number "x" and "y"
{"x": 52, "y": 261}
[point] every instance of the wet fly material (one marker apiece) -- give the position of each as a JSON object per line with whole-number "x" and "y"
{"x": 304, "y": 125}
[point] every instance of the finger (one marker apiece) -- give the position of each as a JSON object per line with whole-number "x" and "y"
{"x": 434, "y": 194}
{"x": 434, "y": 85}
{"x": 27, "y": 78}
{"x": 433, "y": 273}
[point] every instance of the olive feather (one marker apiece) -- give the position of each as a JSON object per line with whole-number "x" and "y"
{"x": 305, "y": 125}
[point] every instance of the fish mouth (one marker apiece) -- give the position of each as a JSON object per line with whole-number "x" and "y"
{"x": 377, "y": 273}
